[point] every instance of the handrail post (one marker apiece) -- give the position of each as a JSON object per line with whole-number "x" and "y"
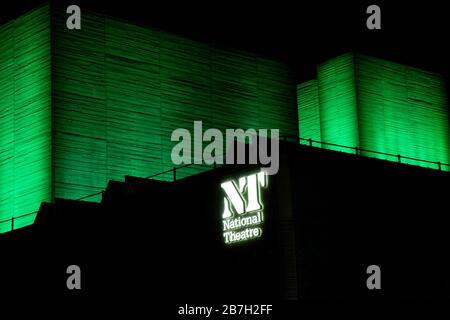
{"x": 398, "y": 157}
{"x": 310, "y": 142}
{"x": 357, "y": 150}
{"x": 12, "y": 223}
{"x": 174, "y": 173}
{"x": 439, "y": 166}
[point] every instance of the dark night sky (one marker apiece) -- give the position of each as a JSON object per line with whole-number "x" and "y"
{"x": 300, "y": 34}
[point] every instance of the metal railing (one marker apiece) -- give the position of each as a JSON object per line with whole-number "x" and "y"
{"x": 359, "y": 152}
{"x": 310, "y": 142}
{"x": 172, "y": 171}
{"x": 11, "y": 220}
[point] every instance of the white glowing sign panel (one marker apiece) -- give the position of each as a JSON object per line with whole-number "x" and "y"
{"x": 243, "y": 214}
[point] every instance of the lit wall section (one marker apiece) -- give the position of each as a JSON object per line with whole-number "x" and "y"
{"x": 25, "y": 117}
{"x": 309, "y": 112}
{"x": 119, "y": 90}
{"x": 402, "y": 110}
{"x": 82, "y": 107}
{"x": 337, "y": 96}
{"x": 79, "y": 108}
{"x": 380, "y": 106}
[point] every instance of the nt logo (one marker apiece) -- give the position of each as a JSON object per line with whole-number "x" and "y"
{"x": 243, "y": 216}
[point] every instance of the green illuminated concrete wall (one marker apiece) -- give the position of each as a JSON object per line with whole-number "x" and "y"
{"x": 120, "y": 90}
{"x": 377, "y": 105}
{"x": 107, "y": 104}
{"x": 308, "y": 109}
{"x": 25, "y": 117}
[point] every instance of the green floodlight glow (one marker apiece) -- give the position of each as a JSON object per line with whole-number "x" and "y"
{"x": 402, "y": 110}
{"x": 121, "y": 89}
{"x": 377, "y": 105}
{"x": 25, "y": 117}
{"x": 337, "y": 96}
{"x": 81, "y": 107}
{"x": 308, "y": 110}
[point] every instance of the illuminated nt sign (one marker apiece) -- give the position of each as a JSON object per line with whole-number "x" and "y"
{"x": 243, "y": 214}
